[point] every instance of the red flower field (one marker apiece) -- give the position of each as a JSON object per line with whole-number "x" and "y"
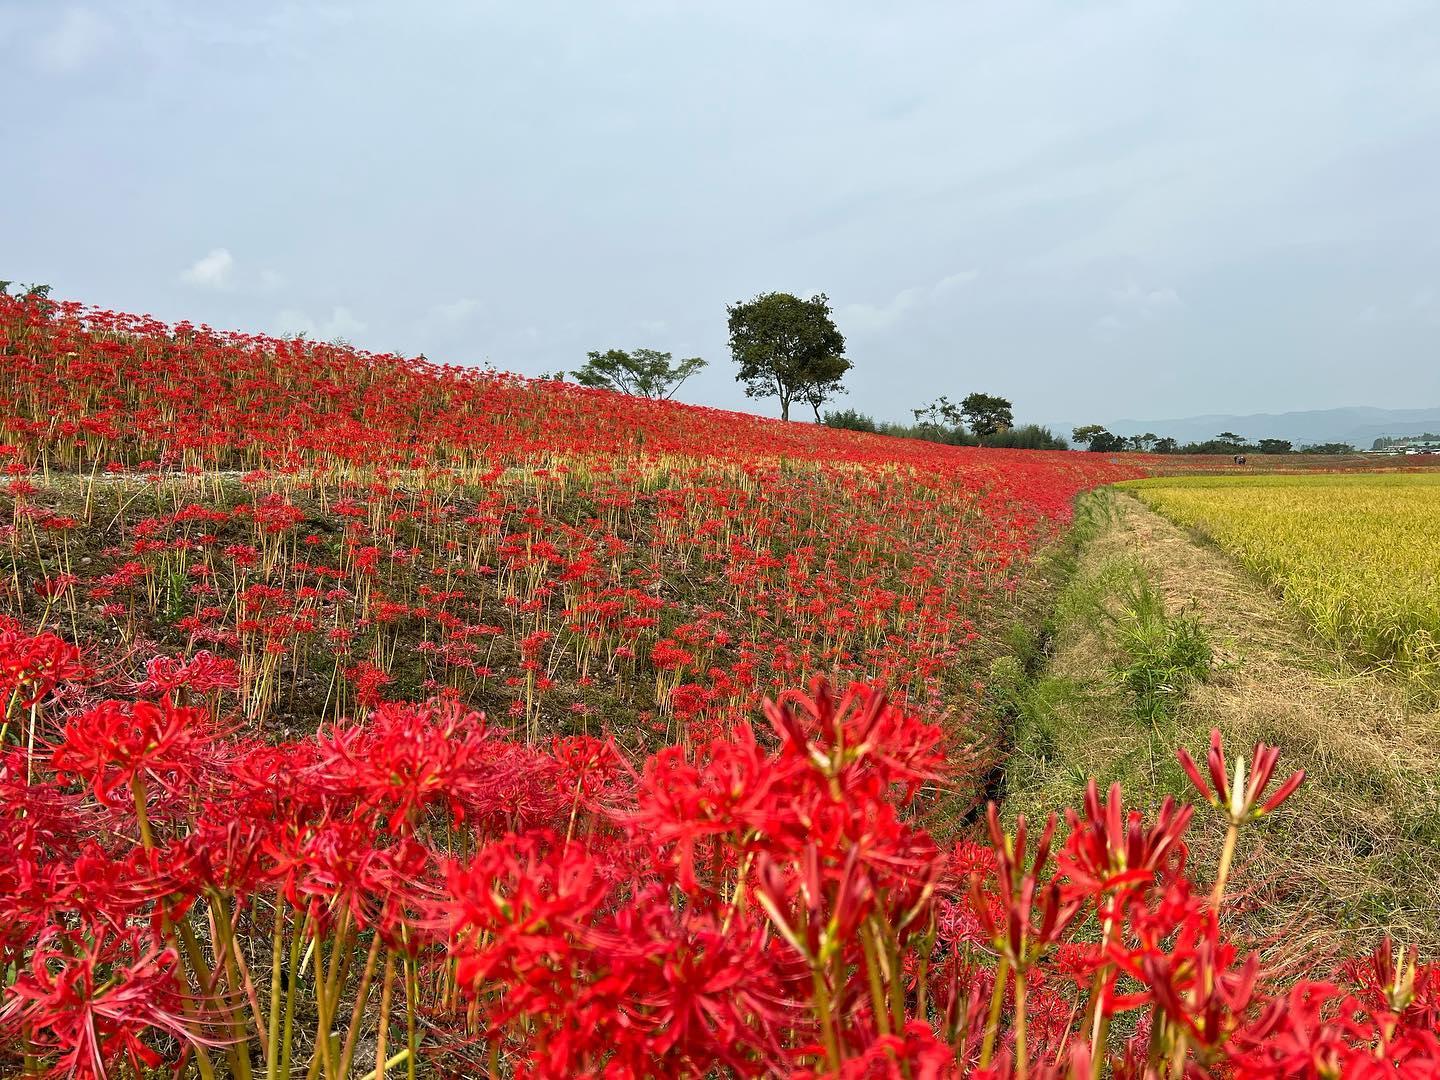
{"x": 366, "y": 717}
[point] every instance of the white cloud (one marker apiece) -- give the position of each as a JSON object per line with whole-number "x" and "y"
{"x": 210, "y": 271}
{"x": 73, "y": 42}
{"x": 271, "y": 280}
{"x": 455, "y": 312}
{"x": 342, "y": 323}
{"x": 868, "y": 318}
{"x": 1146, "y": 300}
{"x": 1133, "y": 305}
{"x": 1421, "y": 308}
{"x": 444, "y": 320}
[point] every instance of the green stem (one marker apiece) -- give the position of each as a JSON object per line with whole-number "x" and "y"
{"x": 387, "y": 988}
{"x": 412, "y": 990}
{"x": 992, "y": 1020}
{"x": 277, "y": 941}
{"x": 362, "y": 995}
{"x": 1227, "y": 853}
{"x": 288, "y": 1043}
{"x": 1022, "y": 1063}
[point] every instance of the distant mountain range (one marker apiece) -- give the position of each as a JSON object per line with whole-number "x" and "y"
{"x": 1359, "y": 426}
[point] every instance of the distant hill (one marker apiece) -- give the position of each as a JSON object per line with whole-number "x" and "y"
{"x": 1359, "y": 425}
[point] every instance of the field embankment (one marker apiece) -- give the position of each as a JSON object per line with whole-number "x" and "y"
{"x": 1357, "y": 850}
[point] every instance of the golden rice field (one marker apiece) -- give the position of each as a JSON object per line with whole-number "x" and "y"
{"x": 1357, "y": 555}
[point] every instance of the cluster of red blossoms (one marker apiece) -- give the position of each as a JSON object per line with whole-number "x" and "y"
{"x": 259, "y": 827}
{"x": 417, "y": 890}
{"x": 340, "y": 527}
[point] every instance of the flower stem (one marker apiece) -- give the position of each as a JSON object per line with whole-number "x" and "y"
{"x": 1227, "y": 853}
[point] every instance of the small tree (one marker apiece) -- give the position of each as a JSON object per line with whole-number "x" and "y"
{"x": 986, "y": 414}
{"x": 1276, "y": 446}
{"x": 1229, "y": 438}
{"x": 1099, "y": 440}
{"x": 642, "y": 373}
{"x": 940, "y": 414}
{"x": 1166, "y": 445}
{"x": 788, "y": 348}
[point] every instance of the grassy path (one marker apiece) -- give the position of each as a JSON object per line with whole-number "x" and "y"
{"x": 1357, "y": 851}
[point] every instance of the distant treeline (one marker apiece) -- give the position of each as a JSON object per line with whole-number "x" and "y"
{"x": 1387, "y": 442}
{"x": 1024, "y": 437}
{"x": 1096, "y": 438}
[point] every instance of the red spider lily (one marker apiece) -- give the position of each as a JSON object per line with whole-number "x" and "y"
{"x": 89, "y": 1001}
{"x": 1111, "y": 852}
{"x": 406, "y": 758}
{"x": 200, "y": 674}
{"x": 115, "y": 744}
{"x": 1241, "y": 800}
{"x": 1033, "y": 916}
{"x": 684, "y": 992}
{"x": 32, "y": 666}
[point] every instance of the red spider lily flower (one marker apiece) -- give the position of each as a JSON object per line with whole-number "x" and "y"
{"x": 115, "y": 743}
{"x": 200, "y": 674}
{"x": 684, "y": 991}
{"x": 1110, "y": 851}
{"x": 735, "y": 793}
{"x": 90, "y": 999}
{"x": 515, "y": 913}
{"x": 1239, "y": 799}
{"x": 33, "y": 665}
{"x": 52, "y": 588}
{"x": 407, "y": 757}
{"x": 860, "y": 731}
{"x": 1033, "y": 916}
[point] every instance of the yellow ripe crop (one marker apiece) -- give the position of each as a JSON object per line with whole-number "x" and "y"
{"x": 1357, "y": 555}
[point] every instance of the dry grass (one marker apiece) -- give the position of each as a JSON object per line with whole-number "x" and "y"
{"x": 1357, "y": 852}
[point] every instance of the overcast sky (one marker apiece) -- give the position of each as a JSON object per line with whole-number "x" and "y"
{"x": 1098, "y": 210}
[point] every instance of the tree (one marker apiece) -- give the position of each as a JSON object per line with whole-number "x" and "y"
{"x": 1166, "y": 445}
{"x": 986, "y": 414}
{"x": 1275, "y": 446}
{"x": 788, "y": 348}
{"x": 1099, "y": 439}
{"x": 644, "y": 373}
{"x": 1229, "y": 438}
{"x": 940, "y": 414}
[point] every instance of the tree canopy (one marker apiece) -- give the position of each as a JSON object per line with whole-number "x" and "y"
{"x": 641, "y": 372}
{"x": 1098, "y": 438}
{"x": 986, "y": 414}
{"x": 788, "y": 348}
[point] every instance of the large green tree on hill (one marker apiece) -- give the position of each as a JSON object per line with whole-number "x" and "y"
{"x": 1099, "y": 439}
{"x": 788, "y": 348}
{"x": 986, "y": 414}
{"x": 641, "y": 372}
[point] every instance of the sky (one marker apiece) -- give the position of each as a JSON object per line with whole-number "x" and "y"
{"x": 1097, "y": 210}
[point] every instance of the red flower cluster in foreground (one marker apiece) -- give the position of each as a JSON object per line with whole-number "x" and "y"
{"x": 420, "y": 889}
